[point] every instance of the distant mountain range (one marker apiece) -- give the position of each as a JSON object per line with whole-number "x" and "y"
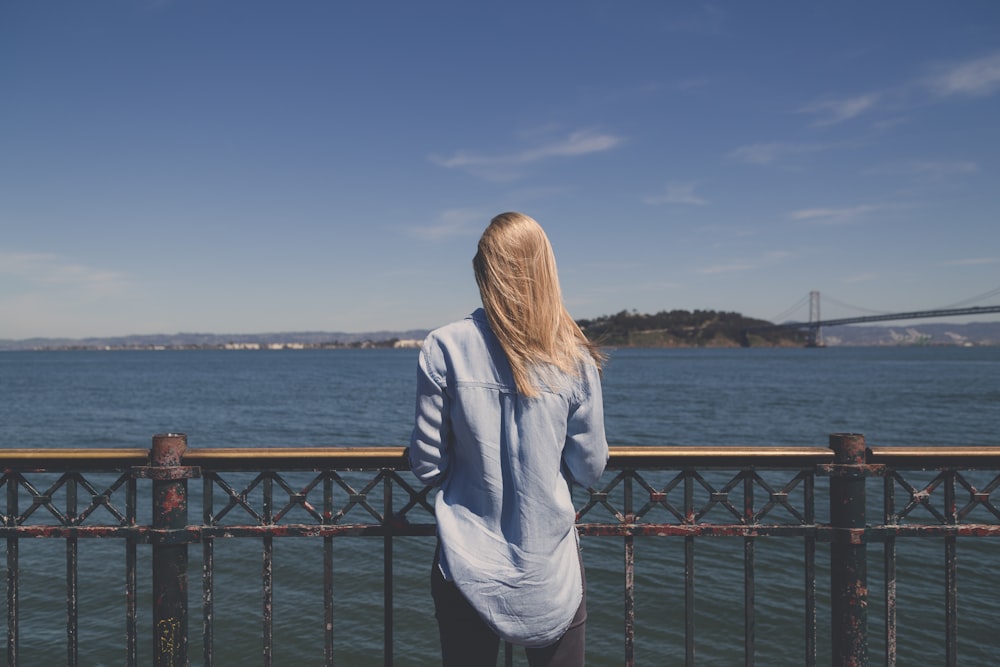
{"x": 975, "y": 333}
{"x": 207, "y": 340}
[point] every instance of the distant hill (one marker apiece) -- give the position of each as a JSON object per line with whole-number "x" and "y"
{"x": 682, "y": 328}
{"x": 677, "y": 328}
{"x": 707, "y": 328}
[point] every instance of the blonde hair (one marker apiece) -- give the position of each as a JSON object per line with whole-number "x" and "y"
{"x": 516, "y": 272}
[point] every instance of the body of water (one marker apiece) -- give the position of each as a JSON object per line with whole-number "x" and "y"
{"x": 895, "y": 396}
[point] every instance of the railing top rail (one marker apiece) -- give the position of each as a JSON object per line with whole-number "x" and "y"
{"x": 73, "y": 457}
{"x": 255, "y": 458}
{"x": 302, "y": 458}
{"x": 936, "y": 457}
{"x": 717, "y": 456}
{"x": 230, "y": 458}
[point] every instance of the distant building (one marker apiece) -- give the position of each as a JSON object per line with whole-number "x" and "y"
{"x": 242, "y": 346}
{"x": 412, "y": 343}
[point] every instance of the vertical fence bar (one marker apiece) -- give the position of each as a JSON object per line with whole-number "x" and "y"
{"x": 950, "y": 574}
{"x": 13, "y": 571}
{"x": 72, "y": 575}
{"x": 170, "y": 559}
{"x": 387, "y": 578}
{"x": 848, "y": 558}
{"x": 629, "y": 546}
{"x": 810, "y": 571}
{"x": 749, "y": 580}
{"x": 328, "y": 571}
{"x": 131, "y": 580}
{"x": 689, "y": 518}
{"x": 267, "y": 574}
{"x": 208, "y": 573}
{"x": 889, "y": 560}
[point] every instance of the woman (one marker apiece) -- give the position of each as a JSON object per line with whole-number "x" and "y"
{"x": 509, "y": 413}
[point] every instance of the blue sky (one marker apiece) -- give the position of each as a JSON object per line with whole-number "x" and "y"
{"x": 244, "y": 166}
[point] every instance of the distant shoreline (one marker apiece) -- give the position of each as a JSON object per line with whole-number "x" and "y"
{"x": 400, "y": 345}
{"x": 232, "y": 347}
{"x": 969, "y": 334}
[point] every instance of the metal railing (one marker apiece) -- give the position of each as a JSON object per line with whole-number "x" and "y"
{"x": 142, "y": 497}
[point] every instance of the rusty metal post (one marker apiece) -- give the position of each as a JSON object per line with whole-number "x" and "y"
{"x": 170, "y": 556}
{"x": 848, "y": 557}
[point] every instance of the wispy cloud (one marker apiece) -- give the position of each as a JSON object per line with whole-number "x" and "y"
{"x": 51, "y": 269}
{"x": 677, "y": 193}
{"x": 837, "y": 216}
{"x": 450, "y": 223}
{"x": 978, "y": 77}
{"x": 769, "y": 153}
{"x": 943, "y": 167}
{"x": 836, "y": 110}
{"x": 744, "y": 264}
{"x": 974, "y": 78}
{"x": 583, "y": 142}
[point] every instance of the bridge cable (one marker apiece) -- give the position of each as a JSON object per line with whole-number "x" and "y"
{"x": 858, "y": 308}
{"x": 788, "y": 311}
{"x": 972, "y": 300}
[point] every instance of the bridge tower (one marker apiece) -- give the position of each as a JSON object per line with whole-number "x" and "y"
{"x": 815, "y": 338}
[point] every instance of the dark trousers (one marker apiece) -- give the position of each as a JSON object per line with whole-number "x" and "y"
{"x": 466, "y": 641}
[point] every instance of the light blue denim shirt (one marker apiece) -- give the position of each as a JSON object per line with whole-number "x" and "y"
{"x": 505, "y": 517}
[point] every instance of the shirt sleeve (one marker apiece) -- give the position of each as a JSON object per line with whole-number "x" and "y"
{"x": 586, "y": 451}
{"x": 429, "y": 450}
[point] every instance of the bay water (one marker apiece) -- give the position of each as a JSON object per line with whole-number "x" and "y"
{"x": 896, "y": 396}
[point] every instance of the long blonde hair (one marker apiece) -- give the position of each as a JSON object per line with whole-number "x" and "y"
{"x": 516, "y": 272}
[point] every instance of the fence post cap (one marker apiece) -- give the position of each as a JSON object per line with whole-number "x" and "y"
{"x": 168, "y": 449}
{"x": 848, "y": 448}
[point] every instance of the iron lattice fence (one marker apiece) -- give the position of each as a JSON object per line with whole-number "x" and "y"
{"x": 142, "y": 499}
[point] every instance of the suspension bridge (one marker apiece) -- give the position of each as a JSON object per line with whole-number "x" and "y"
{"x": 814, "y": 326}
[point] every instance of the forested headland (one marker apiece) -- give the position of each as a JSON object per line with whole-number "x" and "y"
{"x": 682, "y": 328}
{"x": 666, "y": 329}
